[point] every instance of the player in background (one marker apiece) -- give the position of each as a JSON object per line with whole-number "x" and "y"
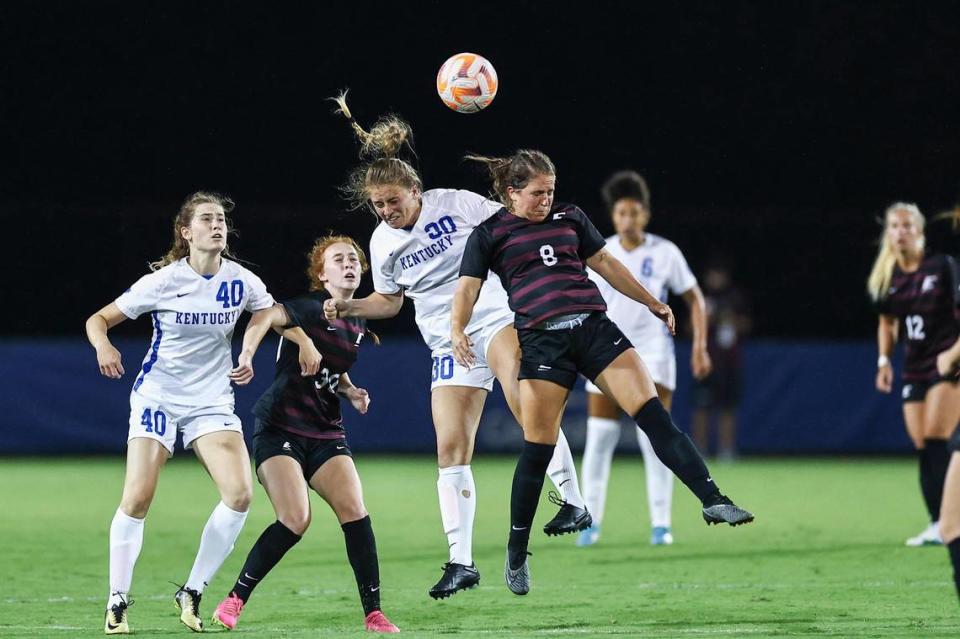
{"x": 918, "y": 292}
{"x": 194, "y": 295}
{"x": 540, "y": 251}
{"x": 659, "y": 265}
{"x": 716, "y": 397}
{"x": 300, "y": 442}
{"x": 415, "y": 252}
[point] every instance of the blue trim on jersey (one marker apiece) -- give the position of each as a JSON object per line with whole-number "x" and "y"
{"x": 153, "y": 350}
{"x": 207, "y": 277}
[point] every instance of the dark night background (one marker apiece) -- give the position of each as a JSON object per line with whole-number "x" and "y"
{"x": 773, "y": 134}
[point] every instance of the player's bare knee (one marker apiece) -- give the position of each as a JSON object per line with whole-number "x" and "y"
{"x": 136, "y": 500}
{"x": 238, "y": 498}
{"x": 453, "y": 454}
{"x": 353, "y": 511}
{"x": 136, "y": 506}
{"x": 296, "y": 522}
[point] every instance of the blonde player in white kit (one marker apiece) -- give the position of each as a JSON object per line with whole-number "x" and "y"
{"x": 415, "y": 252}
{"x": 194, "y": 296}
{"x": 660, "y": 266}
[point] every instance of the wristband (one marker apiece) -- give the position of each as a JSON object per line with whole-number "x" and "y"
{"x": 882, "y": 361}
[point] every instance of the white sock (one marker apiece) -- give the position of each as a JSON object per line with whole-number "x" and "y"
{"x": 216, "y": 542}
{"x": 563, "y": 473}
{"x": 659, "y": 483}
{"x": 126, "y": 540}
{"x": 458, "y": 505}
{"x": 602, "y": 437}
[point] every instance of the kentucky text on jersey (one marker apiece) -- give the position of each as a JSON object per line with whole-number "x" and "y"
{"x": 228, "y": 317}
{"x": 424, "y": 254}
{"x": 424, "y": 262}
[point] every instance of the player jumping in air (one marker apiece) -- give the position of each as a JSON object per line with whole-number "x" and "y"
{"x": 415, "y": 252}
{"x": 540, "y": 250}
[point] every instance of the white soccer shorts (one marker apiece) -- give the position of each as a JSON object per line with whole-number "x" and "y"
{"x": 161, "y": 421}
{"x": 446, "y": 371}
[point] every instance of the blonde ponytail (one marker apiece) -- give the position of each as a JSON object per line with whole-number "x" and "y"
{"x": 382, "y": 144}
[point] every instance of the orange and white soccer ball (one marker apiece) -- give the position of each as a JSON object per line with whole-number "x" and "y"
{"x": 467, "y": 82}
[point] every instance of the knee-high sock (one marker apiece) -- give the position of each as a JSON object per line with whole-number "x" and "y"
{"x": 659, "y": 483}
{"x": 269, "y": 549}
{"x": 676, "y": 450}
{"x": 222, "y": 529}
{"x": 126, "y": 540}
{"x": 362, "y": 552}
{"x": 563, "y": 473}
{"x": 954, "y": 549}
{"x": 527, "y": 484}
{"x": 458, "y": 505}
{"x": 602, "y": 437}
{"x": 934, "y": 459}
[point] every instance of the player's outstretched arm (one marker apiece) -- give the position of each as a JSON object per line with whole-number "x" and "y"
{"x": 887, "y": 328}
{"x": 700, "y": 362}
{"x": 260, "y": 322}
{"x": 611, "y": 269}
{"x": 468, "y": 289}
{"x": 373, "y": 306}
{"x": 108, "y": 357}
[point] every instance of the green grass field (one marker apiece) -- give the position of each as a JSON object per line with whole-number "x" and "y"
{"x": 825, "y": 557}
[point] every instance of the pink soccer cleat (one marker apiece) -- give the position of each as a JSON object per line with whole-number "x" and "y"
{"x": 376, "y": 621}
{"x": 228, "y": 612}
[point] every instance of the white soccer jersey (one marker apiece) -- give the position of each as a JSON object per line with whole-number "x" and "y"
{"x": 660, "y": 266}
{"x": 424, "y": 263}
{"x": 193, "y": 320}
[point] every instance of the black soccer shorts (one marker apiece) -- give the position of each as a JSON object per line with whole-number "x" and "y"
{"x": 557, "y": 356}
{"x": 309, "y": 452}
{"x": 917, "y": 391}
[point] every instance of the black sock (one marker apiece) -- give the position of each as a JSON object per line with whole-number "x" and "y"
{"x": 527, "y": 484}
{"x": 273, "y": 543}
{"x": 954, "y": 548}
{"x": 362, "y": 552}
{"x": 676, "y": 450}
{"x": 934, "y": 459}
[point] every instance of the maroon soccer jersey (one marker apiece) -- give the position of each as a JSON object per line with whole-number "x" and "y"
{"x": 925, "y": 301}
{"x": 310, "y": 406}
{"x": 540, "y": 264}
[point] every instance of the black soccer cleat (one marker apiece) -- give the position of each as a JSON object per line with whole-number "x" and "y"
{"x": 723, "y": 511}
{"x": 188, "y": 603}
{"x": 569, "y": 519}
{"x": 456, "y": 577}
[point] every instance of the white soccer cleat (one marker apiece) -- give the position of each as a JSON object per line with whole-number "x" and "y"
{"x": 661, "y": 536}
{"x": 930, "y": 536}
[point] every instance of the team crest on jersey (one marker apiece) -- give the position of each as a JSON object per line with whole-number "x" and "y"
{"x": 928, "y": 283}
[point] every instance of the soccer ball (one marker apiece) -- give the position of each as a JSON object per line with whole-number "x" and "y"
{"x": 467, "y": 82}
